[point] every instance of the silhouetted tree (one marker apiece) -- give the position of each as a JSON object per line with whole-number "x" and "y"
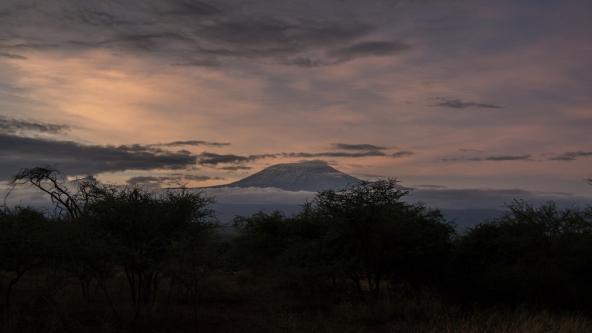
{"x": 532, "y": 254}
{"x": 194, "y": 255}
{"x": 375, "y": 235}
{"x": 88, "y": 254}
{"x": 264, "y": 238}
{"x": 144, "y": 228}
{"x": 23, "y": 246}
{"x": 69, "y": 197}
{"x": 365, "y": 232}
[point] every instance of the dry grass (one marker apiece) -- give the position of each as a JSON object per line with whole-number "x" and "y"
{"x": 233, "y": 303}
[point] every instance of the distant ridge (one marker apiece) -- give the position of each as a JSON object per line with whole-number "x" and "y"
{"x": 311, "y": 176}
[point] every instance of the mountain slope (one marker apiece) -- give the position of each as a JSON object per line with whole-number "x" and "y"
{"x": 302, "y": 176}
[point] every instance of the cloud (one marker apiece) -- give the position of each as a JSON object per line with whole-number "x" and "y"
{"x": 260, "y": 36}
{"x": 75, "y": 159}
{"x": 12, "y": 56}
{"x": 525, "y": 157}
{"x": 539, "y": 76}
{"x": 334, "y": 154}
{"x": 171, "y": 180}
{"x": 148, "y": 180}
{"x": 193, "y": 8}
{"x": 357, "y": 146}
{"x": 191, "y": 143}
{"x": 493, "y": 158}
{"x": 209, "y": 158}
{"x": 470, "y": 150}
{"x": 199, "y": 178}
{"x": 488, "y": 198}
{"x": 207, "y": 62}
{"x": 258, "y": 195}
{"x": 13, "y": 125}
{"x": 571, "y": 156}
{"x": 369, "y": 48}
{"x": 306, "y": 62}
{"x": 460, "y": 104}
{"x": 403, "y": 153}
{"x": 436, "y": 197}
{"x": 195, "y": 33}
{"x": 429, "y": 186}
{"x": 246, "y": 201}
{"x": 236, "y": 168}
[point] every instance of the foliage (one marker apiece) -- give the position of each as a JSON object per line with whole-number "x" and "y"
{"x": 379, "y": 236}
{"x": 23, "y": 246}
{"x": 70, "y": 198}
{"x": 343, "y": 245}
{"x": 537, "y": 255}
{"x": 99, "y": 230}
{"x": 363, "y": 232}
{"x": 144, "y": 229}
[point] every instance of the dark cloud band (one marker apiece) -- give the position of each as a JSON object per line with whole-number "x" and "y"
{"x": 74, "y": 159}
{"x": 12, "y": 56}
{"x": 492, "y": 158}
{"x": 357, "y": 146}
{"x": 171, "y": 180}
{"x": 208, "y": 158}
{"x": 12, "y": 125}
{"x": 571, "y": 156}
{"x": 460, "y": 104}
{"x": 188, "y": 33}
{"x": 191, "y": 143}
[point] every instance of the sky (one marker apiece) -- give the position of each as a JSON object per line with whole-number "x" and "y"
{"x": 440, "y": 94}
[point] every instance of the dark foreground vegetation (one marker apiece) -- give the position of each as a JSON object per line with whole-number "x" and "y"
{"x": 358, "y": 260}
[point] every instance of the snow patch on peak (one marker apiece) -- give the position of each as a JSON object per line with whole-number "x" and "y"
{"x": 311, "y": 175}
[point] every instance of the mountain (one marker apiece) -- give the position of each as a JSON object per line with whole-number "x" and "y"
{"x": 311, "y": 176}
{"x": 314, "y": 176}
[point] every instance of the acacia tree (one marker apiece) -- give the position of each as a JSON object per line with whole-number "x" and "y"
{"x": 23, "y": 240}
{"x": 540, "y": 254}
{"x": 119, "y": 226}
{"x": 264, "y": 238}
{"x": 362, "y": 233}
{"x": 193, "y": 256}
{"x": 144, "y": 228}
{"x": 376, "y": 236}
{"x": 70, "y": 198}
{"x": 83, "y": 252}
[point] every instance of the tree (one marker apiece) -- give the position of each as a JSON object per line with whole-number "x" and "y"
{"x": 144, "y": 228}
{"x": 137, "y": 230}
{"x": 531, "y": 255}
{"x": 377, "y": 236}
{"x": 82, "y": 252}
{"x": 87, "y": 253}
{"x": 23, "y": 246}
{"x": 264, "y": 238}
{"x": 291, "y": 248}
{"x": 365, "y": 232}
{"x": 194, "y": 255}
{"x": 70, "y": 199}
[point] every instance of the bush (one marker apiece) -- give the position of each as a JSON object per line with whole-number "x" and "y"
{"x": 365, "y": 232}
{"x": 24, "y": 246}
{"x": 531, "y": 255}
{"x": 144, "y": 229}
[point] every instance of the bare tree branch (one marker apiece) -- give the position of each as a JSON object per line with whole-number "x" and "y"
{"x": 69, "y": 202}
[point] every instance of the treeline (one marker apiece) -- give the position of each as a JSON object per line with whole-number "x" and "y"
{"x": 356, "y": 244}
{"x": 366, "y": 239}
